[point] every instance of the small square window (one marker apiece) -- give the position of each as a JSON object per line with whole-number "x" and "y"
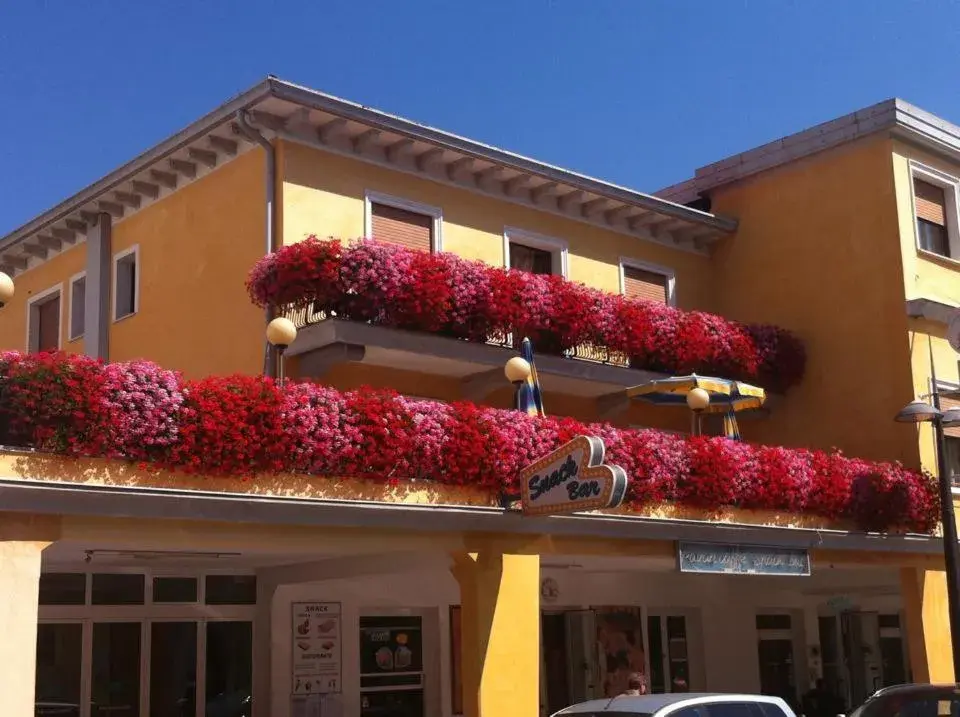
{"x": 126, "y": 269}
{"x": 171, "y": 590}
{"x": 78, "y": 293}
{"x": 118, "y": 589}
{"x": 527, "y": 258}
{"x": 404, "y": 222}
{"x": 534, "y": 253}
{"x": 646, "y": 282}
{"x": 231, "y": 590}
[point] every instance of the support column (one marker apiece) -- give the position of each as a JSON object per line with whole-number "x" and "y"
{"x": 96, "y": 310}
{"x": 22, "y": 540}
{"x": 263, "y": 646}
{"x": 500, "y": 613}
{"x": 928, "y": 624}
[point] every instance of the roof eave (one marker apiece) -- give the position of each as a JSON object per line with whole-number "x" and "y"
{"x": 66, "y": 212}
{"x": 201, "y": 127}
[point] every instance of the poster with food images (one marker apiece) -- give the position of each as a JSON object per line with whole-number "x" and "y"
{"x": 317, "y": 653}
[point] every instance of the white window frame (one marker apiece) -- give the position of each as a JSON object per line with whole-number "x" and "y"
{"x": 371, "y": 197}
{"x": 38, "y": 298}
{"x": 951, "y": 193}
{"x": 558, "y": 248}
{"x": 668, "y": 273}
{"x": 117, "y": 258}
{"x": 82, "y": 308}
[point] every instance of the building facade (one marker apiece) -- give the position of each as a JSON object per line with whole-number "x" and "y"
{"x": 433, "y": 599}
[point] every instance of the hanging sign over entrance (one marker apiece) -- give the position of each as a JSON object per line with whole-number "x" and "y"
{"x": 742, "y": 559}
{"x": 570, "y": 479}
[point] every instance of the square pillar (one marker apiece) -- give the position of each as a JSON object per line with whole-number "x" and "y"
{"x": 22, "y": 540}
{"x": 96, "y": 309}
{"x": 263, "y": 651}
{"x": 500, "y": 614}
{"x": 928, "y": 624}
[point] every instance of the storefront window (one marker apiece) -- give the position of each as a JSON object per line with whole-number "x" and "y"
{"x": 229, "y": 669}
{"x": 59, "y": 650}
{"x": 116, "y": 670}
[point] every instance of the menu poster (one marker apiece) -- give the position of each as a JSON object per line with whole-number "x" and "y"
{"x": 317, "y": 649}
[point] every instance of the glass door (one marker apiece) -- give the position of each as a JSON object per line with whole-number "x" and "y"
{"x": 619, "y": 636}
{"x": 229, "y": 668}
{"x": 115, "y": 668}
{"x": 580, "y": 632}
{"x": 59, "y": 669}
{"x": 173, "y": 669}
{"x": 775, "y": 652}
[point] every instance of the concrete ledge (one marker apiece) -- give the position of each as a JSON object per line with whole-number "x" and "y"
{"x": 323, "y": 344}
{"x": 930, "y": 309}
{"x": 53, "y": 485}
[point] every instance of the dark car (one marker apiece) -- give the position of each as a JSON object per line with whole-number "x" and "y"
{"x": 912, "y": 701}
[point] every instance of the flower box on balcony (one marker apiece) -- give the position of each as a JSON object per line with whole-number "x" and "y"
{"x": 246, "y": 426}
{"x": 446, "y": 295}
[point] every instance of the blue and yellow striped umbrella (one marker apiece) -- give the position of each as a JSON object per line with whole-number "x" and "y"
{"x": 529, "y": 398}
{"x": 726, "y": 396}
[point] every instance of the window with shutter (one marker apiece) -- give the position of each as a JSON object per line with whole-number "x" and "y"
{"x": 47, "y": 328}
{"x": 643, "y": 284}
{"x": 930, "y": 202}
{"x": 401, "y": 226}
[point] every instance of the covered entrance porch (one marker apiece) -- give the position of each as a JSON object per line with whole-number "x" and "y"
{"x": 426, "y": 610}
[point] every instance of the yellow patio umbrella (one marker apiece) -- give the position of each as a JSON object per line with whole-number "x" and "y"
{"x": 702, "y": 394}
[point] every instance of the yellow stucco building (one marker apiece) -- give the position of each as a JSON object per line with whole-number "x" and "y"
{"x": 846, "y": 234}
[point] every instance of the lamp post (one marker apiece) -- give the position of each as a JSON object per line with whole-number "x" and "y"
{"x": 281, "y": 332}
{"x": 923, "y": 412}
{"x": 6, "y": 288}
{"x": 697, "y": 400}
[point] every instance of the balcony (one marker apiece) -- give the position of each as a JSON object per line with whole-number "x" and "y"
{"x": 437, "y": 313}
{"x": 368, "y": 442}
{"x": 323, "y": 343}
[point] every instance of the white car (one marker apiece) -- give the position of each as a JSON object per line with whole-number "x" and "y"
{"x": 682, "y": 705}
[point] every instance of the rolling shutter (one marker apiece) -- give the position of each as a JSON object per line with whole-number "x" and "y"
{"x": 946, "y": 404}
{"x": 399, "y": 226}
{"x": 930, "y": 202}
{"x": 643, "y": 284}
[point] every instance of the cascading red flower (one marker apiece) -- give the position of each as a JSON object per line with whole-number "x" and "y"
{"x": 245, "y": 426}
{"x": 442, "y": 293}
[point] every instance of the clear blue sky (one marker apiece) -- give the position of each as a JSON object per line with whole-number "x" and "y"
{"x": 640, "y": 92}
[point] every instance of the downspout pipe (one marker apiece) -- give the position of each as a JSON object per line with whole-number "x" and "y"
{"x": 246, "y": 128}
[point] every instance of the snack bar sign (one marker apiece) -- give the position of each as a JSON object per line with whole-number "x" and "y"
{"x": 571, "y": 479}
